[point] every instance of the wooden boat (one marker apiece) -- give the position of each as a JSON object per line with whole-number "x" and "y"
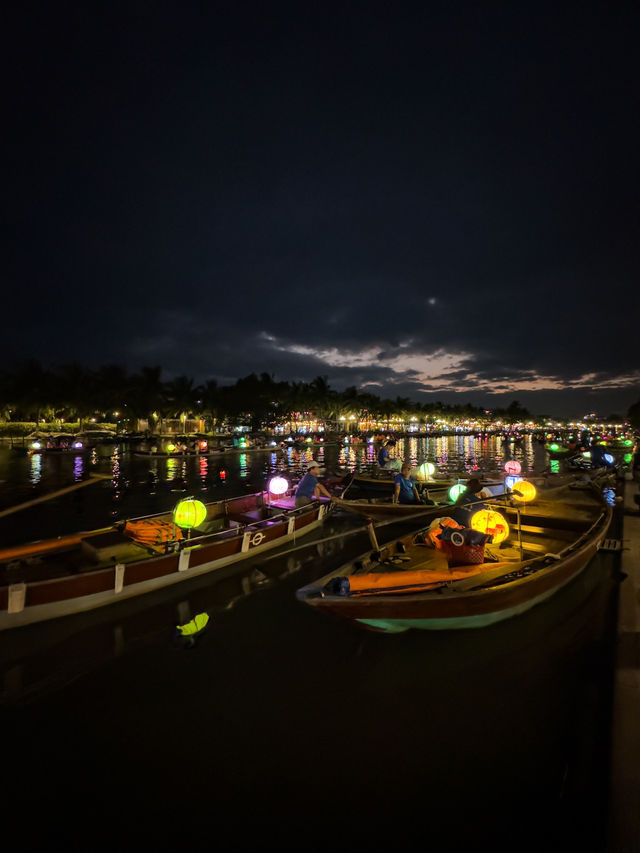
{"x": 409, "y": 583}
{"x": 384, "y": 508}
{"x": 57, "y": 443}
{"x": 52, "y": 578}
{"x": 381, "y": 482}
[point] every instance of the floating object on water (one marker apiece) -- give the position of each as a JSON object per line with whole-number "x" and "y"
{"x": 194, "y": 626}
{"x": 511, "y": 480}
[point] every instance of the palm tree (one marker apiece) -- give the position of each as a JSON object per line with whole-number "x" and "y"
{"x": 147, "y": 396}
{"x": 30, "y": 389}
{"x": 181, "y": 396}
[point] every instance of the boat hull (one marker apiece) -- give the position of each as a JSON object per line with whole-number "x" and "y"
{"x": 27, "y": 603}
{"x": 449, "y": 608}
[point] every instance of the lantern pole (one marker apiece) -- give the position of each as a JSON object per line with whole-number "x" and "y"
{"x": 519, "y": 532}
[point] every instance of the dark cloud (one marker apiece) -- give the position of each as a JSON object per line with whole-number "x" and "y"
{"x": 248, "y": 187}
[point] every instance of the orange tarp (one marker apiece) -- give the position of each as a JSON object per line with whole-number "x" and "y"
{"x": 396, "y": 581}
{"x": 153, "y": 531}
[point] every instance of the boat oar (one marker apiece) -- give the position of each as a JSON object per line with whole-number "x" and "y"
{"x": 93, "y": 478}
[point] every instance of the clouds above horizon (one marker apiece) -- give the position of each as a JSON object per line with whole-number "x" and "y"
{"x": 200, "y": 191}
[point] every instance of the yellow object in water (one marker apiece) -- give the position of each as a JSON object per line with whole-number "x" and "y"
{"x": 194, "y": 626}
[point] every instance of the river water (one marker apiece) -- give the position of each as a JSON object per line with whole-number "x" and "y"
{"x": 281, "y": 727}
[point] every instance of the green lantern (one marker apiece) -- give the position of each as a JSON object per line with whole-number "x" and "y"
{"x": 455, "y": 491}
{"x": 189, "y": 513}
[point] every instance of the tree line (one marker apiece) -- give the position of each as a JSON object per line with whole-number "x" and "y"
{"x": 32, "y": 392}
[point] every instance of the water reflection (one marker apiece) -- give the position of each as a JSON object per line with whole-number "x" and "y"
{"x": 78, "y": 468}
{"x": 35, "y": 472}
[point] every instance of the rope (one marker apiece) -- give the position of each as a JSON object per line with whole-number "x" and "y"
{"x": 341, "y": 535}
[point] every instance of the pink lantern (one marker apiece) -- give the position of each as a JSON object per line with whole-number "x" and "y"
{"x": 278, "y": 485}
{"x": 512, "y": 466}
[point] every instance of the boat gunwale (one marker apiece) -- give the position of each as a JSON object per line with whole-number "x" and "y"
{"x": 445, "y": 595}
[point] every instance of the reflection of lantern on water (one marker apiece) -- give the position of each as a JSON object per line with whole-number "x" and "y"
{"x": 524, "y": 491}
{"x": 512, "y": 467}
{"x": 426, "y": 470}
{"x": 278, "y": 485}
{"x": 554, "y": 466}
{"x": 491, "y": 522}
{"x": 189, "y": 513}
{"x": 456, "y": 490}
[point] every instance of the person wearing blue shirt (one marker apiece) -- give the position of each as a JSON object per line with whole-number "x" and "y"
{"x": 309, "y": 488}
{"x": 384, "y": 457}
{"x": 597, "y": 455}
{"x": 404, "y": 487}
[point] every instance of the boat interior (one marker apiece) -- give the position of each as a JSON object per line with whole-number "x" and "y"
{"x": 138, "y": 539}
{"x": 547, "y": 528}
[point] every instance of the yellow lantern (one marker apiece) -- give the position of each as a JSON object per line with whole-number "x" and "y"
{"x": 491, "y": 522}
{"x": 524, "y": 491}
{"x": 189, "y": 513}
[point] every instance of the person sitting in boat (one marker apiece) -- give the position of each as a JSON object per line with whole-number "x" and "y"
{"x": 473, "y": 494}
{"x": 598, "y": 455}
{"x": 385, "y": 460}
{"x": 404, "y": 487}
{"x": 309, "y": 488}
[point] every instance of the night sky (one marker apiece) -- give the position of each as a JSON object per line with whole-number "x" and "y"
{"x": 438, "y": 201}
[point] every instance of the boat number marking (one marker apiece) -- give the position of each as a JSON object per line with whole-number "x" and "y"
{"x": 257, "y": 538}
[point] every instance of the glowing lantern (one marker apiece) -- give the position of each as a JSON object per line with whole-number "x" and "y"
{"x": 524, "y": 491}
{"x": 587, "y": 454}
{"x": 308, "y": 440}
{"x": 203, "y": 444}
{"x": 554, "y": 446}
{"x": 628, "y": 457}
{"x": 512, "y": 466}
{"x": 77, "y": 445}
{"x": 491, "y": 522}
{"x": 456, "y": 491}
{"x": 628, "y": 442}
{"x": 171, "y": 448}
{"x": 609, "y": 458}
{"x": 278, "y": 485}
{"x": 189, "y": 513}
{"x": 426, "y": 470}
{"x": 223, "y": 475}
{"x": 36, "y": 445}
{"x": 510, "y": 480}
